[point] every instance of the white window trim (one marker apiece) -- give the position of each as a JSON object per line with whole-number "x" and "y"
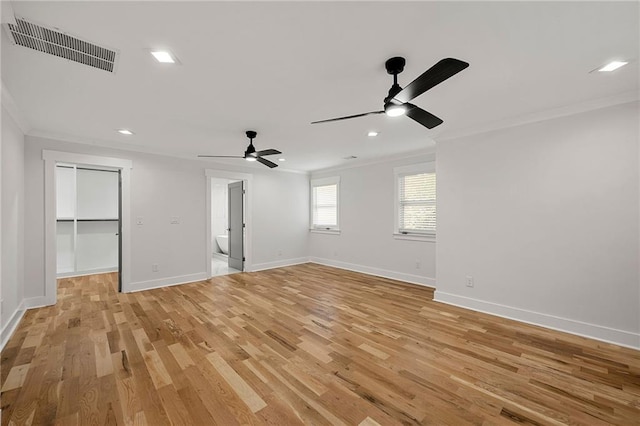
{"x": 325, "y": 231}
{"x": 429, "y": 167}
{"x": 333, "y": 180}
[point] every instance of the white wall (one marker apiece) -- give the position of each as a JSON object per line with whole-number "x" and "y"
{"x": 545, "y": 217}
{"x": 366, "y": 241}
{"x": 280, "y": 219}
{"x": 161, "y": 188}
{"x": 12, "y": 181}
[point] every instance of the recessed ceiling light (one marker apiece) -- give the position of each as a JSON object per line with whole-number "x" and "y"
{"x": 282, "y": 159}
{"x": 163, "y": 56}
{"x": 125, "y": 132}
{"x": 612, "y": 66}
{"x": 372, "y": 134}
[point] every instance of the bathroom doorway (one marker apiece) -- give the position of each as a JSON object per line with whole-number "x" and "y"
{"x": 218, "y": 222}
{"x": 227, "y": 226}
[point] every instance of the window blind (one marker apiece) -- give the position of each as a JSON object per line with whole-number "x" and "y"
{"x": 325, "y": 205}
{"x": 417, "y": 203}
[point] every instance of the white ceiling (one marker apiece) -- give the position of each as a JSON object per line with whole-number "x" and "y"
{"x": 276, "y": 66}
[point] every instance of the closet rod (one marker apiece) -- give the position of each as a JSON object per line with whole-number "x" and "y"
{"x": 87, "y": 168}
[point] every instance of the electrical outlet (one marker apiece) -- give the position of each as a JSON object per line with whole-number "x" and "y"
{"x": 175, "y": 220}
{"x": 279, "y": 252}
{"x": 154, "y": 267}
{"x": 417, "y": 264}
{"x": 469, "y": 281}
{"x": 139, "y": 220}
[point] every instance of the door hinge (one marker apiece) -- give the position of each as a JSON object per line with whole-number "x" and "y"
{"x": 244, "y": 192}
{"x": 244, "y": 225}
{"x": 243, "y": 259}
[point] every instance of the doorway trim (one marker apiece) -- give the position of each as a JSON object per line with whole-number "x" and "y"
{"x": 51, "y": 159}
{"x": 248, "y": 182}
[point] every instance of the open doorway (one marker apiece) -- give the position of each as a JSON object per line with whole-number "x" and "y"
{"x": 88, "y": 221}
{"x": 123, "y": 168}
{"x": 228, "y": 222}
{"x": 227, "y": 226}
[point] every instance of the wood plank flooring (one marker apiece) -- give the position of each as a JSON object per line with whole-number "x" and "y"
{"x": 306, "y": 344}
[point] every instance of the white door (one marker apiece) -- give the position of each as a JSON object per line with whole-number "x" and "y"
{"x": 236, "y": 225}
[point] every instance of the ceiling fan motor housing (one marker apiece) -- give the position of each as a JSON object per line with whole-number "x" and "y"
{"x": 250, "y": 149}
{"x": 394, "y": 67}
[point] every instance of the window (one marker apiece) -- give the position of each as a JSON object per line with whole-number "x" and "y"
{"x": 416, "y": 201}
{"x": 324, "y": 204}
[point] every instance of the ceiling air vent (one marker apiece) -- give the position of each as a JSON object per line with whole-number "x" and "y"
{"x": 59, "y": 44}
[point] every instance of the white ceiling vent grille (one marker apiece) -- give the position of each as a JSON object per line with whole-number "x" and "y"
{"x": 55, "y": 43}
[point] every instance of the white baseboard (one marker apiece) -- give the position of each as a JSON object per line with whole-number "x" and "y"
{"x": 37, "y": 302}
{"x": 279, "y": 264}
{"x": 592, "y": 331}
{"x": 89, "y": 272}
{"x": 165, "y": 282}
{"x": 11, "y": 325}
{"x": 400, "y": 276}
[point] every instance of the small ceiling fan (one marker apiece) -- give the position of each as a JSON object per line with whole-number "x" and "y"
{"x": 397, "y": 101}
{"x": 251, "y": 154}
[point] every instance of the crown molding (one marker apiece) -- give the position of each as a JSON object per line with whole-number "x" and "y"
{"x": 619, "y": 99}
{"x": 9, "y": 104}
{"x": 7, "y": 15}
{"x": 431, "y": 151}
{"x": 128, "y": 147}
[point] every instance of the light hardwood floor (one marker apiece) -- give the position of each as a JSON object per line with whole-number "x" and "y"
{"x": 306, "y": 344}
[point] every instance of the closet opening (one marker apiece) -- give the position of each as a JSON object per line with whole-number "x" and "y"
{"x": 88, "y": 221}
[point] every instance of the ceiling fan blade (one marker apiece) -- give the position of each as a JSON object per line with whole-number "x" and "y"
{"x": 267, "y": 152}
{"x": 220, "y": 156}
{"x": 423, "y": 117}
{"x": 266, "y": 162}
{"x": 435, "y": 75}
{"x": 348, "y": 117}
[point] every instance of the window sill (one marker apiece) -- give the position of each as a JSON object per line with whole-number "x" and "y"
{"x": 325, "y": 231}
{"x": 416, "y": 237}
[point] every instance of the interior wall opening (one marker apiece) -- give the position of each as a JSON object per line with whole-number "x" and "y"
{"x": 88, "y": 221}
{"x": 220, "y": 225}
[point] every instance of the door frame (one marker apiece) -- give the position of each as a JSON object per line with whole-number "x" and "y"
{"x": 248, "y": 205}
{"x": 51, "y": 159}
